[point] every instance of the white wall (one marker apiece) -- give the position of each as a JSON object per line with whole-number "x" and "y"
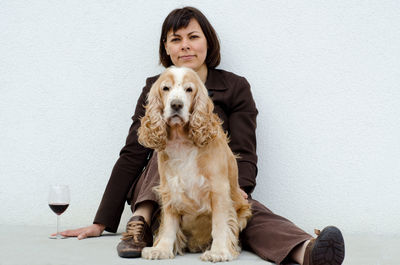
{"x": 325, "y": 76}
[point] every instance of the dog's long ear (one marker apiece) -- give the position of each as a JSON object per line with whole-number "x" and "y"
{"x": 152, "y": 132}
{"x": 203, "y": 124}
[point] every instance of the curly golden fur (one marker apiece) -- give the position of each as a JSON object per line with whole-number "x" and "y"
{"x": 202, "y": 207}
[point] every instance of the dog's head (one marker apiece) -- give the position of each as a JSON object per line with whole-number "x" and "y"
{"x": 178, "y": 99}
{"x": 178, "y": 89}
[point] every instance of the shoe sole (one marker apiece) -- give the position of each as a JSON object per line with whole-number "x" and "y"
{"x": 130, "y": 254}
{"x": 329, "y": 247}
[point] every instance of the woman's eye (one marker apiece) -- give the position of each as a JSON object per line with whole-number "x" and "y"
{"x": 174, "y": 39}
{"x": 189, "y": 89}
{"x": 194, "y": 36}
{"x": 165, "y": 88}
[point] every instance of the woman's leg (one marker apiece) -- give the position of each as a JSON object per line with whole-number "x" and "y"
{"x": 297, "y": 254}
{"x": 140, "y": 228}
{"x": 144, "y": 199}
{"x": 271, "y": 236}
{"x": 144, "y": 209}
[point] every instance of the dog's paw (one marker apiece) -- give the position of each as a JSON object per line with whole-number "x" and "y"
{"x": 157, "y": 253}
{"x": 217, "y": 256}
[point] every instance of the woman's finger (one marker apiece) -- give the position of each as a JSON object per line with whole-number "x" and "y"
{"x": 244, "y": 194}
{"x": 82, "y": 236}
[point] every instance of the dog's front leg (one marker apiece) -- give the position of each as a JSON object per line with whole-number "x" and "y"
{"x": 163, "y": 247}
{"x": 224, "y": 227}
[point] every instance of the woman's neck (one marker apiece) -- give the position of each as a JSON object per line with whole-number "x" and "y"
{"x": 202, "y": 72}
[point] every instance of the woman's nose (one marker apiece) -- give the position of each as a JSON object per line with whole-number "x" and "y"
{"x": 185, "y": 45}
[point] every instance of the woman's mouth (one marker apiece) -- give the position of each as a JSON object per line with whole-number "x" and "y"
{"x": 186, "y": 57}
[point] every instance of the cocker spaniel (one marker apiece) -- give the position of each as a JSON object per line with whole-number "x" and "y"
{"x": 202, "y": 209}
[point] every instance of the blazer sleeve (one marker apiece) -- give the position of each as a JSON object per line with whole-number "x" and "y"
{"x": 133, "y": 158}
{"x": 242, "y": 127}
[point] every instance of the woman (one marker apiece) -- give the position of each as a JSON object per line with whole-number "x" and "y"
{"x": 188, "y": 39}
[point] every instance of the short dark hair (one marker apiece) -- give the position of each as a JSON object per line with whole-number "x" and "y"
{"x": 180, "y": 18}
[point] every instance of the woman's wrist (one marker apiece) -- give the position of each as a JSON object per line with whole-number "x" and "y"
{"x": 101, "y": 227}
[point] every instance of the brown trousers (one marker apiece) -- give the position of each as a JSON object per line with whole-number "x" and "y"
{"x": 268, "y": 235}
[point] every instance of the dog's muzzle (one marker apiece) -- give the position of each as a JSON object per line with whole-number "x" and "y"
{"x": 176, "y": 112}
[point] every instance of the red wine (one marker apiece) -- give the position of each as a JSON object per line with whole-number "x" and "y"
{"x": 58, "y": 208}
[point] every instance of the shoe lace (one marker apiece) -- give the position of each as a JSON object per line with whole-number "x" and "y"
{"x": 134, "y": 230}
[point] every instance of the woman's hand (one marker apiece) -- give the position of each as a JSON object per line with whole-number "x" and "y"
{"x": 243, "y": 193}
{"x": 84, "y": 232}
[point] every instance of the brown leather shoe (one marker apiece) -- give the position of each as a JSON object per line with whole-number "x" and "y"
{"x": 137, "y": 236}
{"x": 326, "y": 249}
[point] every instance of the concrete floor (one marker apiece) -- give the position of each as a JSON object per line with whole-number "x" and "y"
{"x": 31, "y": 245}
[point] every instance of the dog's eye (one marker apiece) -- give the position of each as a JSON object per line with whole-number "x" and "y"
{"x": 189, "y": 89}
{"x": 165, "y": 88}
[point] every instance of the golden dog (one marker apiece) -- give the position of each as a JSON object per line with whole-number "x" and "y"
{"x": 202, "y": 208}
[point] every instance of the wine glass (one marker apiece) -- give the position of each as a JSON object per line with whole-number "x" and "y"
{"x": 58, "y": 202}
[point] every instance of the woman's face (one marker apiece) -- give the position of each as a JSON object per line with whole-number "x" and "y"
{"x": 187, "y": 46}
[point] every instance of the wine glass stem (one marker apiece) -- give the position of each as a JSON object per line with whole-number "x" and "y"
{"x": 58, "y": 225}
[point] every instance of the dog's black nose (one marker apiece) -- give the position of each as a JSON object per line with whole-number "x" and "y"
{"x": 176, "y": 104}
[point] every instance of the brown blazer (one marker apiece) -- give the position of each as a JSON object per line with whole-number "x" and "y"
{"x": 235, "y": 106}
